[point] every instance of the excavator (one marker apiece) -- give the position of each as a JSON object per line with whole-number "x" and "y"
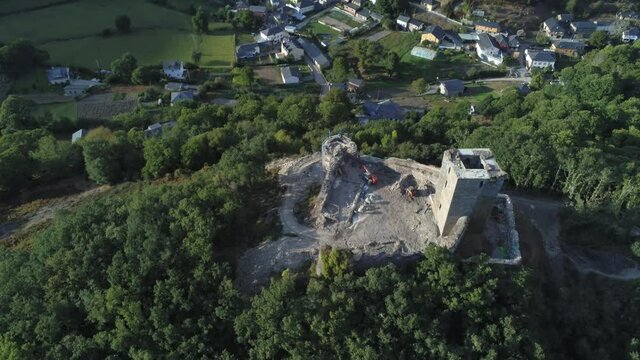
{"x": 368, "y": 176}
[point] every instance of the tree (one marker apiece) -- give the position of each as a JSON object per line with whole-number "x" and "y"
{"x": 146, "y": 75}
{"x": 110, "y": 157}
{"x": 19, "y": 57}
{"x": 123, "y": 67}
{"x": 247, "y": 20}
{"x": 200, "y": 21}
{"x": 339, "y": 71}
{"x": 242, "y": 76}
{"x": 419, "y": 86}
{"x": 392, "y": 63}
{"x": 599, "y": 39}
{"x": 196, "y": 56}
{"x": 123, "y": 24}
{"x": 15, "y": 114}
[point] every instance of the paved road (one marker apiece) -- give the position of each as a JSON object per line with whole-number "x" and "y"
{"x": 318, "y": 77}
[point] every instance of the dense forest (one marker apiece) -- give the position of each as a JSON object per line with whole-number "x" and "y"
{"x": 146, "y": 270}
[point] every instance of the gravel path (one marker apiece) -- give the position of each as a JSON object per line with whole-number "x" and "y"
{"x": 377, "y": 36}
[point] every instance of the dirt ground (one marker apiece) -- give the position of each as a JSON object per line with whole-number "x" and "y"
{"x": 46, "y": 98}
{"x": 335, "y": 23}
{"x": 270, "y": 75}
{"x": 35, "y": 207}
{"x": 103, "y": 106}
{"x": 516, "y": 16}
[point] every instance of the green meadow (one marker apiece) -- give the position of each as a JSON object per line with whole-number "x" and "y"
{"x": 72, "y": 32}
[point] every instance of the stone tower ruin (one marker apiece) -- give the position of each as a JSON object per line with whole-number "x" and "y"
{"x": 469, "y": 182}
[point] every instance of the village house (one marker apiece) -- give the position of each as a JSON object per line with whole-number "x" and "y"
{"x": 363, "y": 15}
{"x": 538, "y": 59}
{"x": 605, "y": 26}
{"x": 415, "y": 25}
{"x": 79, "y": 87}
{"x": 630, "y": 35}
{"x": 358, "y": 3}
{"x": 628, "y": 15}
{"x": 386, "y": 109}
{"x": 248, "y": 51}
{"x": 157, "y": 129}
{"x": 430, "y": 5}
{"x": 273, "y": 34}
{"x": 174, "y": 86}
{"x": 484, "y": 26}
{"x": 488, "y": 49}
{"x": 565, "y": 19}
{"x": 403, "y": 21}
{"x": 258, "y": 11}
{"x": 355, "y": 85}
{"x": 174, "y": 70}
{"x": 290, "y": 47}
{"x": 305, "y": 6}
{"x": 58, "y": 75}
{"x": 351, "y": 8}
{"x": 180, "y": 96}
{"x": 514, "y": 43}
{"x": 553, "y": 28}
{"x": 582, "y": 29}
{"x": 432, "y": 34}
{"x": 314, "y": 53}
{"x": 376, "y": 16}
{"x": 451, "y": 88}
{"x": 568, "y": 48}
{"x": 290, "y": 75}
{"x": 502, "y": 42}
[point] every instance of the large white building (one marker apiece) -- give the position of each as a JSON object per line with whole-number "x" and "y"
{"x": 537, "y": 59}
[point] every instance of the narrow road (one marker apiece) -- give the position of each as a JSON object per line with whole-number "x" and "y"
{"x": 318, "y": 76}
{"x": 514, "y": 79}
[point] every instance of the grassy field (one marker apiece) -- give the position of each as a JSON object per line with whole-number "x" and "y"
{"x": 11, "y": 6}
{"x": 70, "y": 32}
{"x": 149, "y": 47}
{"x": 67, "y": 110}
{"x": 322, "y": 30}
{"x": 33, "y": 82}
{"x": 412, "y": 67}
{"x": 87, "y": 18}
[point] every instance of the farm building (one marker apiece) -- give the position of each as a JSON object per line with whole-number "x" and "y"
{"x": 355, "y": 85}
{"x": 80, "y": 87}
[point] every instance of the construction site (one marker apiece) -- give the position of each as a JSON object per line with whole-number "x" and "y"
{"x": 384, "y": 210}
